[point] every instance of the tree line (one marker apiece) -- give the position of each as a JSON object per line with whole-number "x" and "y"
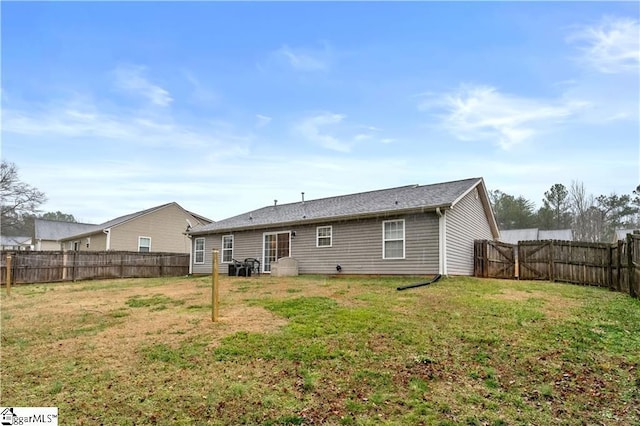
{"x": 20, "y": 204}
{"x": 591, "y": 218}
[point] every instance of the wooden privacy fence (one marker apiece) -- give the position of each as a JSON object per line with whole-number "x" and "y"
{"x": 614, "y": 266}
{"x": 494, "y": 259}
{"x": 57, "y": 266}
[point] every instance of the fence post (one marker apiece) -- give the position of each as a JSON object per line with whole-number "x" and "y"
{"x": 73, "y": 266}
{"x": 631, "y": 270}
{"x": 214, "y": 286}
{"x": 619, "y": 265}
{"x": 485, "y": 259}
{"x": 552, "y": 254}
{"x": 8, "y": 279}
{"x": 610, "y": 267}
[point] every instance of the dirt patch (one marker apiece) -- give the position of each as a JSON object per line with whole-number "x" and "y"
{"x": 116, "y": 331}
{"x": 553, "y": 305}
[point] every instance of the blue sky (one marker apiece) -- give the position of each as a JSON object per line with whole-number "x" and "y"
{"x": 115, "y": 107}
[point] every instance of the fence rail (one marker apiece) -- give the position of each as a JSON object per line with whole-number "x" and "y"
{"x": 614, "y": 266}
{"x": 58, "y": 266}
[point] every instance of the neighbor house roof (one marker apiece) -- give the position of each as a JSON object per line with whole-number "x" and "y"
{"x": 404, "y": 199}
{"x": 621, "y": 234}
{"x": 55, "y": 230}
{"x": 14, "y": 241}
{"x": 556, "y": 234}
{"x": 122, "y": 219}
{"x": 512, "y": 236}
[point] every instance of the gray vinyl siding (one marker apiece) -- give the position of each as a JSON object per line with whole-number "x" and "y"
{"x": 356, "y": 247}
{"x": 466, "y": 222}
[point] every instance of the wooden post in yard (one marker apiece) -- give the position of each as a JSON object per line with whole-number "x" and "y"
{"x": 631, "y": 269}
{"x": 8, "y": 275}
{"x": 214, "y": 286}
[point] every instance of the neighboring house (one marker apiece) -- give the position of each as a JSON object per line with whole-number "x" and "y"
{"x": 48, "y": 234}
{"x": 415, "y": 229}
{"x": 621, "y": 234}
{"x": 15, "y": 243}
{"x": 158, "y": 229}
{"x": 512, "y": 236}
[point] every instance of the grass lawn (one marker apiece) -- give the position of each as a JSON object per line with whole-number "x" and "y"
{"x": 323, "y": 350}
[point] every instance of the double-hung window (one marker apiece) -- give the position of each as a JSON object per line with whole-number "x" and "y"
{"x": 393, "y": 239}
{"x": 198, "y": 252}
{"x": 144, "y": 244}
{"x": 227, "y": 248}
{"x": 324, "y": 236}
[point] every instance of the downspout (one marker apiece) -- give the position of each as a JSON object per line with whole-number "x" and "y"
{"x": 108, "y": 232}
{"x": 190, "y": 237}
{"x": 442, "y": 241}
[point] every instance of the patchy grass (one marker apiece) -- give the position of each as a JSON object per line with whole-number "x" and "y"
{"x": 323, "y": 350}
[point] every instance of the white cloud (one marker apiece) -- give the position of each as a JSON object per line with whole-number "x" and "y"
{"x": 200, "y": 93}
{"x": 314, "y": 129}
{"x": 483, "y": 113}
{"x": 304, "y": 59}
{"x": 74, "y": 120}
{"x": 333, "y": 132}
{"x": 262, "y": 120}
{"x": 131, "y": 79}
{"x": 612, "y": 46}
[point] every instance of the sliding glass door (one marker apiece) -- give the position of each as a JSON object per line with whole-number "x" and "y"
{"x": 276, "y": 245}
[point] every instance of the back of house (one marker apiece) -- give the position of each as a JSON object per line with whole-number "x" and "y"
{"x": 408, "y": 230}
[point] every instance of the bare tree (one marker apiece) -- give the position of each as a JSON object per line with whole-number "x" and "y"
{"x": 582, "y": 208}
{"x": 18, "y": 200}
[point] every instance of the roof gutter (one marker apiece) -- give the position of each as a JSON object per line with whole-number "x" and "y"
{"x": 385, "y": 213}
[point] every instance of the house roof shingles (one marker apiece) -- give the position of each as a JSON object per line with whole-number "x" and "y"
{"x": 55, "y": 230}
{"x": 384, "y": 201}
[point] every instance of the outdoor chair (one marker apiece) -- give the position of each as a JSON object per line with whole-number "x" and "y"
{"x": 253, "y": 265}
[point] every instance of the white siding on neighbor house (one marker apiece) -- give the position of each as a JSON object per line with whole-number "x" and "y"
{"x": 165, "y": 227}
{"x": 356, "y": 247}
{"x": 97, "y": 242}
{"x": 466, "y": 222}
{"x": 48, "y": 245}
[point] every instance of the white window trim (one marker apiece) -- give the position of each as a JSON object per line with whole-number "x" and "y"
{"x": 222, "y": 249}
{"x": 196, "y": 251}
{"x": 330, "y": 236}
{"x": 139, "y": 239}
{"x": 384, "y": 240}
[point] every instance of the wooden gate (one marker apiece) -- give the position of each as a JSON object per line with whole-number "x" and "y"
{"x": 535, "y": 260}
{"x": 494, "y": 259}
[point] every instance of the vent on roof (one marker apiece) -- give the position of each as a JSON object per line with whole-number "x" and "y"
{"x": 275, "y": 203}
{"x": 303, "y": 198}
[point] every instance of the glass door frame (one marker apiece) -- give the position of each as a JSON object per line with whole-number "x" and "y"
{"x": 266, "y": 264}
